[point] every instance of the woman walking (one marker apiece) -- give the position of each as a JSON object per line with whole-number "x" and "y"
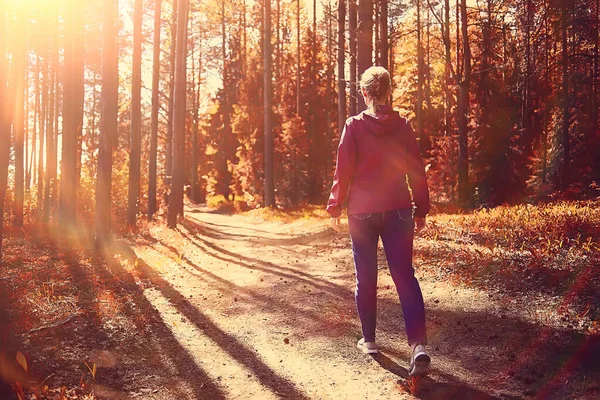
{"x": 377, "y": 152}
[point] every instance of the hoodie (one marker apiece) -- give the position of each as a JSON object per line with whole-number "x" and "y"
{"x": 376, "y": 155}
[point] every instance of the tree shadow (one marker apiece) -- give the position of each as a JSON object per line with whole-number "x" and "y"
{"x": 245, "y": 261}
{"x": 104, "y": 274}
{"x": 208, "y": 229}
{"x": 269, "y": 378}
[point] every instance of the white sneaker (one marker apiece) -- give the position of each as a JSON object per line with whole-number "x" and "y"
{"x": 367, "y": 347}
{"x": 419, "y": 361}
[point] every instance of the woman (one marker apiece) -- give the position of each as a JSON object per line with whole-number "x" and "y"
{"x": 377, "y": 152}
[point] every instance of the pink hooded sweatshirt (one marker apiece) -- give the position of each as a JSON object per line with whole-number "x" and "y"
{"x": 375, "y": 156}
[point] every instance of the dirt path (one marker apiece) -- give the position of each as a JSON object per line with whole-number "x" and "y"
{"x": 267, "y": 310}
{"x": 236, "y": 308}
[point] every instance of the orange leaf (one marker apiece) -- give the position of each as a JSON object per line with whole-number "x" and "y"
{"x": 21, "y": 360}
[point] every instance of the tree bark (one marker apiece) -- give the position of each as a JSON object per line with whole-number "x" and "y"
{"x": 179, "y": 109}
{"x": 365, "y": 41}
{"x": 352, "y": 43}
{"x": 420, "y": 79}
{"x": 565, "y": 95}
{"x": 298, "y": 49}
{"x": 4, "y": 118}
{"x": 51, "y": 127}
{"x": 19, "y": 65}
{"x": 341, "y": 64}
{"x": 136, "y": 118}
{"x": 268, "y": 106}
{"x": 108, "y": 122}
{"x": 447, "y": 65}
{"x": 383, "y": 33}
{"x": 155, "y": 107}
{"x": 71, "y": 114}
{"x": 463, "y": 111}
{"x": 170, "y": 115}
{"x": 42, "y": 134}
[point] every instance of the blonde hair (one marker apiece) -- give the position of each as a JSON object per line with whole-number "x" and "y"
{"x": 375, "y": 81}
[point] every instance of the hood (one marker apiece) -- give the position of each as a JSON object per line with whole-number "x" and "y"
{"x": 386, "y": 122}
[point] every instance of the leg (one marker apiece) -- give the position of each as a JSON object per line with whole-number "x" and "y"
{"x": 364, "y": 247}
{"x": 397, "y": 236}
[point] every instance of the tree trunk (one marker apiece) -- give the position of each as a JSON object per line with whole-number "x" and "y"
{"x": 108, "y": 122}
{"x": 51, "y": 127}
{"x": 42, "y": 135}
{"x": 463, "y": 112}
{"x": 179, "y": 109}
{"x": 352, "y": 43}
{"x": 420, "y": 79}
{"x": 383, "y": 33}
{"x": 341, "y": 64}
{"x": 170, "y": 115}
{"x": 71, "y": 115}
{"x": 547, "y": 96}
{"x": 298, "y": 49}
{"x": 19, "y": 66}
{"x": 365, "y": 41}
{"x": 4, "y": 119}
{"x": 195, "y": 182}
{"x": 447, "y": 65}
{"x": 136, "y": 118}
{"x": 596, "y": 73}
{"x": 155, "y": 107}
{"x": 268, "y": 98}
{"x": 36, "y": 112}
{"x": 565, "y": 95}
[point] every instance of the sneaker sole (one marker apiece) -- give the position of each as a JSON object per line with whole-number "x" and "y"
{"x": 421, "y": 366}
{"x": 367, "y": 351}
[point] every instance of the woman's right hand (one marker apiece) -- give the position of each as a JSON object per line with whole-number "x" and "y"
{"x": 336, "y": 224}
{"x": 420, "y": 224}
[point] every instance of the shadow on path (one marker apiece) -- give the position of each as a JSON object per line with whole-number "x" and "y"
{"x": 430, "y": 389}
{"x": 269, "y": 378}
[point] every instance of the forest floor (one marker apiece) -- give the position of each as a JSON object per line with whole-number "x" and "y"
{"x": 239, "y": 307}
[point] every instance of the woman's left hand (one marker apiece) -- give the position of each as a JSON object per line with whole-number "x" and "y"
{"x": 336, "y": 224}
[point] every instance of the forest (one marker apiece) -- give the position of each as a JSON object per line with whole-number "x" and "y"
{"x": 133, "y": 131}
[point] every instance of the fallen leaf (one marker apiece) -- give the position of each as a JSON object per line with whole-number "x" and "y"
{"x": 21, "y": 360}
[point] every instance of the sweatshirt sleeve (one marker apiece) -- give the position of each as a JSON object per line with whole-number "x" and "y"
{"x": 417, "y": 178}
{"x": 344, "y": 170}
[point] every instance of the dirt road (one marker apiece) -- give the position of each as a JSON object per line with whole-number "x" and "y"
{"x": 238, "y": 308}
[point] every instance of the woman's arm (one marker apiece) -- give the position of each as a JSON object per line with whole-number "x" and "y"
{"x": 417, "y": 178}
{"x": 344, "y": 169}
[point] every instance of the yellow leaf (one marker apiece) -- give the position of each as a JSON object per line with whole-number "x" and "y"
{"x": 92, "y": 369}
{"x": 21, "y": 360}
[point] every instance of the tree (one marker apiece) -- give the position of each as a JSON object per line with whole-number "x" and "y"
{"x": 179, "y": 113}
{"x": 108, "y": 127}
{"x": 155, "y": 107}
{"x": 352, "y": 43}
{"x": 383, "y": 34}
{"x": 170, "y": 113}
{"x": 51, "y": 126}
{"x": 19, "y": 66}
{"x": 365, "y": 41}
{"x": 565, "y": 99}
{"x": 72, "y": 111}
{"x": 341, "y": 64}
{"x": 5, "y": 116}
{"x": 136, "y": 118}
{"x": 268, "y": 87}
{"x": 463, "y": 110}
{"x": 420, "y": 79}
